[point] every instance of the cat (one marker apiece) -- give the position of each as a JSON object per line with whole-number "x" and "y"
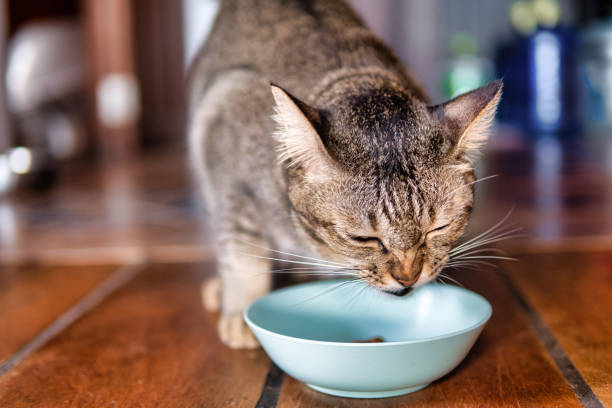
{"x": 309, "y": 136}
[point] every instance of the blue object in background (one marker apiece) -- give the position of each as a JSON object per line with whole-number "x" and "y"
{"x": 542, "y": 84}
{"x": 596, "y": 67}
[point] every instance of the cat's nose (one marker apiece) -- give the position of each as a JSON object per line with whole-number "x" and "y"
{"x": 407, "y": 283}
{"x": 406, "y": 276}
{"x": 408, "y": 272}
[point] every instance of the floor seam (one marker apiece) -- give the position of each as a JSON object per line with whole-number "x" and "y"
{"x": 116, "y": 280}
{"x": 572, "y": 375}
{"x": 272, "y": 388}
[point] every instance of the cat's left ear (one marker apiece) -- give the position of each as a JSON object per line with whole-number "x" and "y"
{"x": 299, "y": 142}
{"x": 468, "y": 117}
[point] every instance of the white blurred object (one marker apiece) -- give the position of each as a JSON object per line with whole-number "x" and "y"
{"x": 45, "y": 83}
{"x": 547, "y": 71}
{"x": 198, "y": 17}
{"x": 118, "y": 100}
{"x": 44, "y": 62}
{"x": 64, "y": 136}
{"x": 20, "y": 160}
{"x": 6, "y": 175}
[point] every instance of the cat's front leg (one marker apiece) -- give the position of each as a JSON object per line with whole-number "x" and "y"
{"x": 244, "y": 276}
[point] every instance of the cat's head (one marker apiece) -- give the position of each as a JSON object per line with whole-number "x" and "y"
{"x": 379, "y": 180}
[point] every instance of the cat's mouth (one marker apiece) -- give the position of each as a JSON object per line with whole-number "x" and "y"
{"x": 400, "y": 292}
{"x": 388, "y": 283}
{"x": 402, "y": 287}
{"x": 394, "y": 287}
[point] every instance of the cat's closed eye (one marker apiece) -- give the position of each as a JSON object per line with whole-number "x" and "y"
{"x": 369, "y": 241}
{"x": 438, "y": 229}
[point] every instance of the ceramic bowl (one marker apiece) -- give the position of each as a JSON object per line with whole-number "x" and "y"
{"x": 309, "y": 330}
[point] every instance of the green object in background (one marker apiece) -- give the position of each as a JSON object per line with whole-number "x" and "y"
{"x": 464, "y": 75}
{"x": 467, "y": 71}
{"x": 309, "y": 331}
{"x": 463, "y": 44}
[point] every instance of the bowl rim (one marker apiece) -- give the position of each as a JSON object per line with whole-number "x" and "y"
{"x": 467, "y": 329}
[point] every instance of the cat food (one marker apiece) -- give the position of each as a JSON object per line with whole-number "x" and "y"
{"x": 372, "y": 340}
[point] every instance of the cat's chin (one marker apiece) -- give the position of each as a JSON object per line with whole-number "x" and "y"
{"x": 399, "y": 292}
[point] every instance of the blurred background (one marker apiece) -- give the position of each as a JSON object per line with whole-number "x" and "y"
{"x": 103, "y": 235}
{"x": 92, "y": 144}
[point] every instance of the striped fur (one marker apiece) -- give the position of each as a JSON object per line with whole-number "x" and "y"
{"x": 346, "y": 163}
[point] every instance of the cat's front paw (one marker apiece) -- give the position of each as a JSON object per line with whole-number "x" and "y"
{"x": 235, "y": 333}
{"x": 211, "y": 294}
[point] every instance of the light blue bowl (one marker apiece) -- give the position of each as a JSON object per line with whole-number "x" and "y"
{"x": 308, "y": 331}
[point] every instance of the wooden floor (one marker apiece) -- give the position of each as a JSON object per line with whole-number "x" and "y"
{"x": 99, "y": 292}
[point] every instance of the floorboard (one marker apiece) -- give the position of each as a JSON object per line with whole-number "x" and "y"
{"x": 32, "y": 297}
{"x": 572, "y": 292}
{"x": 508, "y": 365}
{"x": 148, "y": 344}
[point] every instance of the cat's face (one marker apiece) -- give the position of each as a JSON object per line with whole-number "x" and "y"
{"x": 391, "y": 210}
{"x": 397, "y": 237}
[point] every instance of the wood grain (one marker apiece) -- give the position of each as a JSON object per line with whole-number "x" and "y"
{"x": 572, "y": 293}
{"x": 33, "y": 297}
{"x": 507, "y": 366}
{"x": 149, "y": 344}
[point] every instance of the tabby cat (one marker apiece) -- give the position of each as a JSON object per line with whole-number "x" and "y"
{"x": 310, "y": 137}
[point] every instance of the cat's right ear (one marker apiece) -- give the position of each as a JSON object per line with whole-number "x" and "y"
{"x": 468, "y": 117}
{"x": 299, "y": 143}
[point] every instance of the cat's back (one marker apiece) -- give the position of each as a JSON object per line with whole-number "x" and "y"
{"x": 294, "y": 43}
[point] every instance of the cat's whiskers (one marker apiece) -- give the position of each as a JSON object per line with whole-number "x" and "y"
{"x": 309, "y": 269}
{"x": 471, "y": 262}
{"x": 323, "y": 272}
{"x": 327, "y": 291}
{"x": 501, "y": 233}
{"x": 503, "y": 258}
{"x": 447, "y": 196}
{"x": 471, "y": 258}
{"x": 442, "y": 275}
{"x": 502, "y": 236}
{"x": 314, "y": 273}
{"x": 356, "y": 295}
{"x": 291, "y": 254}
{"x": 439, "y": 279}
{"x": 472, "y": 255}
{"x": 484, "y": 234}
{"x": 296, "y": 262}
{"x": 487, "y": 250}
